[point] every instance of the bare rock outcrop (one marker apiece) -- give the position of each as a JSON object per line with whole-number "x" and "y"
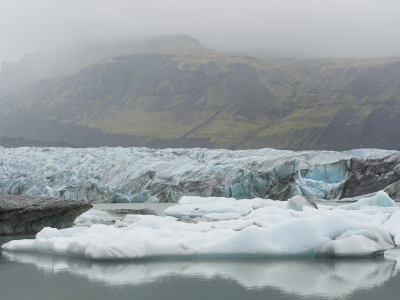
{"x": 22, "y": 215}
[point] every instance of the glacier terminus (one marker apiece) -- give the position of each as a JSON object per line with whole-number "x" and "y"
{"x": 132, "y": 175}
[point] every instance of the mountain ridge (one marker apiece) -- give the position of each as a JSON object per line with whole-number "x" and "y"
{"x": 182, "y": 94}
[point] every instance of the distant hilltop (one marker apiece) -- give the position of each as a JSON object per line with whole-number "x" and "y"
{"x": 171, "y": 91}
{"x": 9, "y": 142}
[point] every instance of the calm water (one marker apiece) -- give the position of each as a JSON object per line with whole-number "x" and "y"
{"x": 43, "y": 276}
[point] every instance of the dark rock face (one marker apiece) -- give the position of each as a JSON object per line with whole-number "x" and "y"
{"x": 21, "y": 215}
{"x": 393, "y": 190}
{"x": 371, "y": 175}
{"x": 378, "y": 130}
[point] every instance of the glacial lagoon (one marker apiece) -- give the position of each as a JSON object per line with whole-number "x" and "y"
{"x": 160, "y": 207}
{"x": 44, "y": 276}
{"x": 34, "y": 276}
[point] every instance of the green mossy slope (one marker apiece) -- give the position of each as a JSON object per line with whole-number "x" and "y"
{"x": 188, "y": 95}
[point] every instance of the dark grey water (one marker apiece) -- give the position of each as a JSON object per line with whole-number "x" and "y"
{"x": 42, "y": 276}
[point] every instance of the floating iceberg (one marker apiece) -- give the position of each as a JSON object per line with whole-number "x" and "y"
{"x": 199, "y": 207}
{"x": 379, "y": 200}
{"x": 104, "y": 175}
{"x": 96, "y": 216}
{"x": 393, "y": 226}
{"x": 244, "y": 228}
{"x": 299, "y": 202}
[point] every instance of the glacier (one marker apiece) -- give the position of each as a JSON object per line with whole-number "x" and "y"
{"x": 256, "y": 228}
{"x": 115, "y": 175}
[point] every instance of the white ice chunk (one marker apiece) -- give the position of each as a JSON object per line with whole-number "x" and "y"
{"x": 93, "y": 216}
{"x": 72, "y": 231}
{"x": 298, "y": 202}
{"x": 324, "y": 207}
{"x": 266, "y": 232}
{"x": 393, "y": 225}
{"x": 49, "y": 232}
{"x": 381, "y": 199}
{"x": 198, "y": 206}
{"x": 222, "y": 216}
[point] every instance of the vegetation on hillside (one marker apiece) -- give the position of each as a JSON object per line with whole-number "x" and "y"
{"x": 185, "y": 92}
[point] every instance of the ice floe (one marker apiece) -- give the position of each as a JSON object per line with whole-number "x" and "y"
{"x": 229, "y": 228}
{"x": 197, "y": 206}
{"x": 299, "y": 202}
{"x": 379, "y": 200}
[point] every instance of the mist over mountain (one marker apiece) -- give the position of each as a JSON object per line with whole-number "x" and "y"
{"x": 171, "y": 91}
{"x": 65, "y": 61}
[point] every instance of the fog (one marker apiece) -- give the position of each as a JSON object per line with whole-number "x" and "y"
{"x": 275, "y": 28}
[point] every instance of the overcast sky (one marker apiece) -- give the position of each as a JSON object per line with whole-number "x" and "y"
{"x": 315, "y": 28}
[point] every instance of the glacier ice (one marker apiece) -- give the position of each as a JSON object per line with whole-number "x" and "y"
{"x": 298, "y": 202}
{"x": 230, "y": 228}
{"x": 393, "y": 225}
{"x": 96, "y": 216}
{"x": 104, "y": 175}
{"x": 222, "y": 216}
{"x": 193, "y": 206}
{"x": 380, "y": 199}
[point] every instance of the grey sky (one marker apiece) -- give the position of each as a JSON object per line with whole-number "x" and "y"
{"x": 335, "y": 28}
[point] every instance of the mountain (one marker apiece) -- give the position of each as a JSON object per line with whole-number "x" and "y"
{"x": 182, "y": 94}
{"x": 66, "y": 61}
{"x": 9, "y": 142}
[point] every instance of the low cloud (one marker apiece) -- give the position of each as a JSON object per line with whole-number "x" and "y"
{"x": 313, "y": 28}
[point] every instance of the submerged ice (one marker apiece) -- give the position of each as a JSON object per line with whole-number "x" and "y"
{"x": 101, "y": 175}
{"x": 229, "y": 228}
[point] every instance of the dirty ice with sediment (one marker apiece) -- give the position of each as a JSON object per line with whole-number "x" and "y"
{"x": 131, "y": 175}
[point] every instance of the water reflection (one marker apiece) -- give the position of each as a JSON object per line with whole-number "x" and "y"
{"x": 330, "y": 278}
